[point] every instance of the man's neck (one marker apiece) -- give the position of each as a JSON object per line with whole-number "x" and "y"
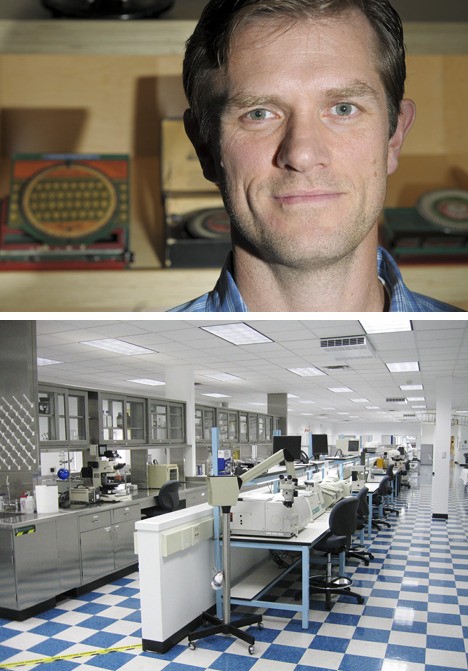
{"x": 350, "y": 285}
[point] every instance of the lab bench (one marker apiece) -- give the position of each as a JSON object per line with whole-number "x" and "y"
{"x": 45, "y": 556}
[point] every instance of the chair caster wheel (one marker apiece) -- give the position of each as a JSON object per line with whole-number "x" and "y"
{"x": 260, "y": 625}
{"x": 192, "y": 645}
{"x": 360, "y": 599}
{"x": 371, "y": 557}
{"x": 251, "y": 649}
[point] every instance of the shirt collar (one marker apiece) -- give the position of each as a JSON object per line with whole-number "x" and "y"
{"x": 226, "y": 297}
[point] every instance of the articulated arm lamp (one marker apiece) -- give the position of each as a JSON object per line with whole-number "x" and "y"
{"x": 224, "y": 490}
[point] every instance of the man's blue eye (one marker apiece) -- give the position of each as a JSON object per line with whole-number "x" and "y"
{"x": 344, "y": 109}
{"x": 257, "y": 115}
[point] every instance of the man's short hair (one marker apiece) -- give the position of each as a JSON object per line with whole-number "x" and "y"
{"x": 207, "y": 50}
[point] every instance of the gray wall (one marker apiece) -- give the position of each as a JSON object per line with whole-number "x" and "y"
{"x": 18, "y": 406}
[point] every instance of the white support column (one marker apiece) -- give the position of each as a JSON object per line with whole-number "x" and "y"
{"x": 442, "y": 437}
{"x": 180, "y": 387}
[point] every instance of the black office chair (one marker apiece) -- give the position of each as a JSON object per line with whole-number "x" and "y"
{"x": 168, "y": 498}
{"x": 390, "y": 490}
{"x": 359, "y": 551}
{"x": 404, "y": 481}
{"x": 378, "y": 499}
{"x": 342, "y": 523}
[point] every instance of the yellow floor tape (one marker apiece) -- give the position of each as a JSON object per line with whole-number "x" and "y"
{"x": 47, "y": 660}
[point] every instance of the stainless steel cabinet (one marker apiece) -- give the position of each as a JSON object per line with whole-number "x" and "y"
{"x": 63, "y": 416}
{"x": 117, "y": 419}
{"x": 28, "y": 564}
{"x": 106, "y": 540}
{"x": 205, "y": 420}
{"x": 167, "y": 422}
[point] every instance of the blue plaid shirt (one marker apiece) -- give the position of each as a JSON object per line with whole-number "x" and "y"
{"x": 225, "y": 297}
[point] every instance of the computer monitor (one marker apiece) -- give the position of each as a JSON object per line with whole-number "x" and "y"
{"x": 347, "y": 446}
{"x": 319, "y": 444}
{"x": 353, "y": 446}
{"x": 291, "y": 446}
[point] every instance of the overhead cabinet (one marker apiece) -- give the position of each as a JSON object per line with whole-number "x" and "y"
{"x": 167, "y": 422}
{"x": 205, "y": 420}
{"x": 235, "y": 426}
{"x": 63, "y": 416}
{"x": 117, "y": 419}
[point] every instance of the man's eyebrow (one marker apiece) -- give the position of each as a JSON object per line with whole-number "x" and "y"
{"x": 357, "y": 89}
{"x": 244, "y": 100}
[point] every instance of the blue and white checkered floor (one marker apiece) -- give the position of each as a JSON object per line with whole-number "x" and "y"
{"x": 415, "y": 615}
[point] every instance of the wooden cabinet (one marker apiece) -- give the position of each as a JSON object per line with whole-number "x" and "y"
{"x": 62, "y": 416}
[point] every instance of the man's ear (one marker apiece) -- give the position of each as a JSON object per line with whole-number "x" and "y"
{"x": 203, "y": 149}
{"x": 405, "y": 121}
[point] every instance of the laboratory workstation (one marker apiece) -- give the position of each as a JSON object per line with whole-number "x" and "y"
{"x": 219, "y": 494}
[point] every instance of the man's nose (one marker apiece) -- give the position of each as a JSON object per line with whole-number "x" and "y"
{"x": 304, "y": 145}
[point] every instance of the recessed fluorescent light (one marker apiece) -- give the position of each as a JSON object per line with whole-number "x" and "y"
{"x": 307, "y": 402}
{"x": 217, "y": 395}
{"x": 118, "y": 346}
{"x": 419, "y": 406}
{"x": 372, "y": 407}
{"x": 307, "y": 414}
{"x": 328, "y": 408}
{"x": 46, "y": 362}
{"x": 292, "y": 396}
{"x": 360, "y": 400}
{"x": 416, "y": 398}
{"x": 237, "y": 334}
{"x": 340, "y": 390}
{"x": 403, "y": 366}
{"x": 386, "y": 325}
{"x": 148, "y": 381}
{"x": 310, "y": 371}
{"x": 222, "y": 377}
{"x": 410, "y": 387}
{"x": 258, "y": 404}
{"x": 342, "y": 413}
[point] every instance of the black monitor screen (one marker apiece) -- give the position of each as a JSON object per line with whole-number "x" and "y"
{"x": 353, "y": 445}
{"x": 290, "y": 444}
{"x": 319, "y": 444}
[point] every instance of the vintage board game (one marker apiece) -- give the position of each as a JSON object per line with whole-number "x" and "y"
{"x": 197, "y": 230}
{"x": 67, "y": 211}
{"x": 435, "y": 230}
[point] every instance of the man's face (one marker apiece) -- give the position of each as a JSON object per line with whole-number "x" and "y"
{"x": 303, "y": 152}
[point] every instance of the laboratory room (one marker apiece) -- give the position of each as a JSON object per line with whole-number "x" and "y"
{"x": 234, "y": 494}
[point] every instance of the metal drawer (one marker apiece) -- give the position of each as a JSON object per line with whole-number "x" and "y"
{"x": 95, "y": 520}
{"x": 127, "y": 513}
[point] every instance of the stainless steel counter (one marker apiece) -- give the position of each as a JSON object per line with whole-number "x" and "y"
{"x": 43, "y": 556}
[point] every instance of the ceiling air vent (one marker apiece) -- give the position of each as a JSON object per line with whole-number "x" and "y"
{"x": 348, "y": 347}
{"x": 401, "y": 401}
